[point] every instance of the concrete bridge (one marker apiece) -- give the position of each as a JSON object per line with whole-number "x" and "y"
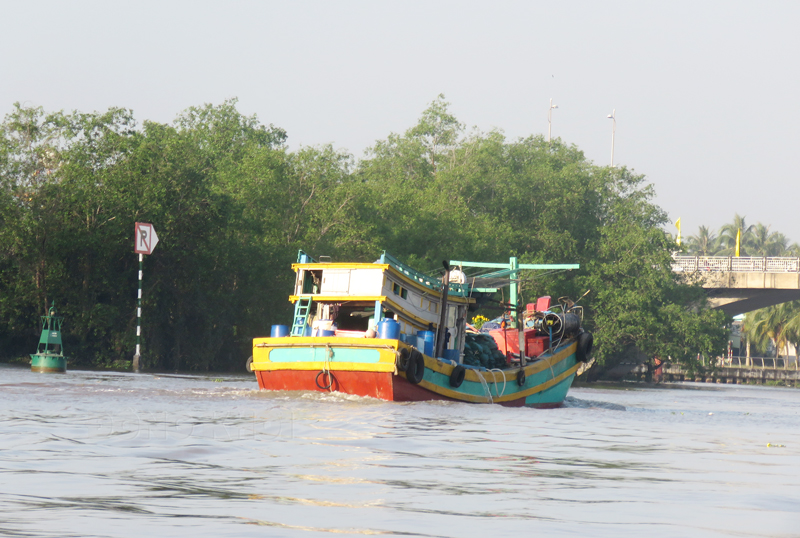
{"x": 742, "y": 284}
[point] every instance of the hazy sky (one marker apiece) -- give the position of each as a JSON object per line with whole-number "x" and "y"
{"x": 707, "y": 93}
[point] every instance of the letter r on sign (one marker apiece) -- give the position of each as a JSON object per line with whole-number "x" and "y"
{"x": 146, "y": 238}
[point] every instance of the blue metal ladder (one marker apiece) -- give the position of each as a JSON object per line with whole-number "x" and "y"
{"x": 301, "y": 310}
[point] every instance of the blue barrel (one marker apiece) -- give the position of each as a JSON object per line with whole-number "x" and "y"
{"x": 388, "y": 329}
{"x": 307, "y": 330}
{"x": 428, "y": 337}
{"x": 323, "y": 332}
{"x": 451, "y": 354}
{"x": 279, "y": 331}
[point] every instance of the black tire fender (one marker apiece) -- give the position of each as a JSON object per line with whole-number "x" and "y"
{"x": 248, "y": 365}
{"x": 403, "y": 359}
{"x": 416, "y": 367}
{"x": 457, "y": 376}
{"x": 521, "y": 377}
{"x": 330, "y": 379}
{"x": 585, "y": 343}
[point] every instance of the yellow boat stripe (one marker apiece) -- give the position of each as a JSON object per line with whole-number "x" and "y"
{"x": 324, "y": 341}
{"x": 320, "y": 266}
{"x": 338, "y": 298}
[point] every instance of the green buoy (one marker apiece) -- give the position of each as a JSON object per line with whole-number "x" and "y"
{"x": 49, "y": 356}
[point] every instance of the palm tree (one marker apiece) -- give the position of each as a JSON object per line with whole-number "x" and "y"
{"x": 779, "y": 325}
{"x": 779, "y": 245}
{"x": 793, "y": 330}
{"x": 705, "y": 243}
{"x": 727, "y": 236}
{"x": 763, "y": 243}
{"x": 755, "y": 330}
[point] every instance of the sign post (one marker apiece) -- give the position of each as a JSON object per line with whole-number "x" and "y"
{"x": 145, "y": 241}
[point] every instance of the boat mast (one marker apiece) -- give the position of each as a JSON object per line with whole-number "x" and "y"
{"x": 441, "y": 333}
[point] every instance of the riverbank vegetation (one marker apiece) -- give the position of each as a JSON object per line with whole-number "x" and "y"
{"x": 232, "y": 205}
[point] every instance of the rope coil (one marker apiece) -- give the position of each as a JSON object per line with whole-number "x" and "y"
{"x": 494, "y": 380}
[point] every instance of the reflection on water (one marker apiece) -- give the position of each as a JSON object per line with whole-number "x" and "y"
{"x": 115, "y": 454}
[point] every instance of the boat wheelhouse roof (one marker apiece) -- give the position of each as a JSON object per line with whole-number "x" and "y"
{"x": 392, "y": 265}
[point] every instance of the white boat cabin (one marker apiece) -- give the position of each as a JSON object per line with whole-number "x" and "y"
{"x": 352, "y": 298}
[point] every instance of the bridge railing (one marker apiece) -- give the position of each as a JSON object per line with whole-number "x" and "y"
{"x": 760, "y": 362}
{"x": 741, "y": 264}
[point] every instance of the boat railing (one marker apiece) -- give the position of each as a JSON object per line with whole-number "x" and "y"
{"x": 422, "y": 278}
{"x": 302, "y": 257}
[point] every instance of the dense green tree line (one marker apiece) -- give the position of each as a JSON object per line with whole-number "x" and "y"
{"x": 232, "y": 205}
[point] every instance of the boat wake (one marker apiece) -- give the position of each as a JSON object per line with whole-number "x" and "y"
{"x": 573, "y": 402}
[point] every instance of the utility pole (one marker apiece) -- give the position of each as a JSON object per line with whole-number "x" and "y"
{"x": 550, "y": 119}
{"x": 613, "y": 117}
